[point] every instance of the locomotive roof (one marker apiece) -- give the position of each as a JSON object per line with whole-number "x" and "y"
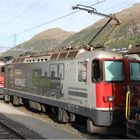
{"x": 101, "y": 54}
{"x": 66, "y": 55}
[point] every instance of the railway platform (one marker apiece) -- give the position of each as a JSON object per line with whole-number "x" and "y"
{"x": 28, "y": 123}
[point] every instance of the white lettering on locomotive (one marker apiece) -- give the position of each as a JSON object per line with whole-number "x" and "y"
{"x": 20, "y": 82}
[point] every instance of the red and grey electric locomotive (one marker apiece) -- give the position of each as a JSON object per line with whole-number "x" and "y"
{"x": 88, "y": 83}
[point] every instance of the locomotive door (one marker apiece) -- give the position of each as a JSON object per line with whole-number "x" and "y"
{"x": 132, "y": 103}
{"x": 134, "y": 96}
{"x": 133, "y": 112}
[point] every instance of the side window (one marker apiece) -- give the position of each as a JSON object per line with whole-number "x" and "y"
{"x": 82, "y": 71}
{"x": 96, "y": 71}
{"x": 54, "y": 70}
{"x": 57, "y": 71}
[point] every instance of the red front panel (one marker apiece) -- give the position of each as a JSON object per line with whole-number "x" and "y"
{"x": 114, "y": 90}
{"x": 1, "y": 81}
{"x": 102, "y": 90}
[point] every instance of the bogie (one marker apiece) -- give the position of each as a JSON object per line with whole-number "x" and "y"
{"x": 63, "y": 115}
{"x": 35, "y": 105}
{"x": 15, "y": 100}
{"x": 7, "y": 98}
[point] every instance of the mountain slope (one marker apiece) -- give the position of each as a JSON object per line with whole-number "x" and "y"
{"x": 128, "y": 32}
{"x": 42, "y": 41}
{"x": 123, "y": 35}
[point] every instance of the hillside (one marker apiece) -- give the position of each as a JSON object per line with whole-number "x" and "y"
{"x": 128, "y": 32}
{"x": 42, "y": 41}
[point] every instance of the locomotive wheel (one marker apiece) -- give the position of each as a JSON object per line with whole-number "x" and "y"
{"x": 6, "y": 98}
{"x": 15, "y": 101}
{"x": 35, "y": 105}
{"x": 63, "y": 115}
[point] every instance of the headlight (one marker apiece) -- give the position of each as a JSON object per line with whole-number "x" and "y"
{"x": 108, "y": 98}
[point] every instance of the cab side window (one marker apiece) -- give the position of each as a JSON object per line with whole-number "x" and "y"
{"x": 82, "y": 66}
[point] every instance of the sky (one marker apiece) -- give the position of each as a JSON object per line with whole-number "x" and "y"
{"x": 20, "y": 20}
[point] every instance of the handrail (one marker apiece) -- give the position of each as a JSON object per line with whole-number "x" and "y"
{"x": 127, "y": 107}
{"x": 139, "y": 104}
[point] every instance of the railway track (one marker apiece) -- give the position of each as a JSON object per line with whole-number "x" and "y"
{"x": 10, "y": 129}
{"x": 8, "y": 133}
{"x": 76, "y": 128}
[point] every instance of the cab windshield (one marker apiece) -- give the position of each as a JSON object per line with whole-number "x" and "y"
{"x": 135, "y": 71}
{"x": 114, "y": 71}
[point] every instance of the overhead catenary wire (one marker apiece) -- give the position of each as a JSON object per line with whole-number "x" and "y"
{"x": 128, "y": 34}
{"x": 28, "y": 29}
{"x": 23, "y": 12}
{"x": 56, "y": 19}
{"x": 45, "y": 23}
{"x": 84, "y": 19}
{"x": 53, "y": 20}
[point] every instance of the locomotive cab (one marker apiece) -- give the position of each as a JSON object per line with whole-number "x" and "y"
{"x": 109, "y": 85}
{"x": 109, "y": 76}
